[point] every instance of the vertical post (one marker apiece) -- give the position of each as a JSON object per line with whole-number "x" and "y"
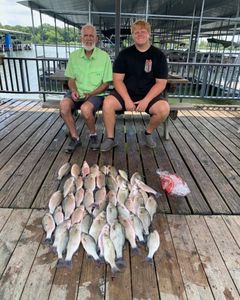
{"x": 56, "y": 35}
{"x": 90, "y": 11}
{"x": 191, "y": 34}
{"x": 43, "y": 45}
{"x": 117, "y": 26}
{"x": 199, "y": 28}
{"x": 147, "y": 7}
{"x": 33, "y": 32}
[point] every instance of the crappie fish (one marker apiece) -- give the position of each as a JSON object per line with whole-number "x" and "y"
{"x": 112, "y": 197}
{"x": 100, "y": 180}
{"x": 75, "y": 171}
{"x": 61, "y": 239}
{"x": 68, "y": 205}
{"x": 97, "y": 225}
{"x": 153, "y": 243}
{"x": 111, "y": 213}
{"x": 55, "y": 201}
{"x": 111, "y": 183}
{"x": 79, "y": 196}
{"x": 85, "y": 169}
{"x": 89, "y": 245}
{"x": 94, "y": 169}
{"x": 105, "y": 230}
{"x": 146, "y": 188}
{"x": 48, "y": 226}
{"x": 73, "y": 243}
{"x": 78, "y": 214}
{"x": 138, "y": 227}
{"x": 79, "y": 183}
{"x": 58, "y": 215}
{"x": 109, "y": 253}
{"x": 117, "y": 236}
{"x": 151, "y": 206}
{"x": 86, "y": 223}
{"x": 88, "y": 201}
{"x": 129, "y": 232}
{"x": 135, "y": 176}
{"x": 89, "y": 182}
{"x": 64, "y": 170}
{"x": 104, "y": 169}
{"x": 145, "y": 218}
{"x": 112, "y": 171}
{"x": 69, "y": 186}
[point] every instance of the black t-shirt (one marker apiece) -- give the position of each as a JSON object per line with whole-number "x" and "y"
{"x": 141, "y": 69}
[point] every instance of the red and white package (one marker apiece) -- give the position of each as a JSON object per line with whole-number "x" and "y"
{"x": 173, "y": 184}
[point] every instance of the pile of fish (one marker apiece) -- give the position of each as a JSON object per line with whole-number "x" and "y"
{"x": 100, "y": 208}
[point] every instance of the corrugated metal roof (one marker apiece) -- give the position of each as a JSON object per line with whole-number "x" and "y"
{"x": 163, "y": 14}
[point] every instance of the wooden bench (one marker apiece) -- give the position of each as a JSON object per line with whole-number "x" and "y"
{"x": 172, "y": 82}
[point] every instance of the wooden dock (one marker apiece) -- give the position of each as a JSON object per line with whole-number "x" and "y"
{"x": 199, "y": 256}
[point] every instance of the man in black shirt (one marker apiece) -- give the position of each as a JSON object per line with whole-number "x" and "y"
{"x": 139, "y": 76}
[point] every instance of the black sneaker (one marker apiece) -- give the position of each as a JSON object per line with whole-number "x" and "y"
{"x": 73, "y": 144}
{"x": 94, "y": 143}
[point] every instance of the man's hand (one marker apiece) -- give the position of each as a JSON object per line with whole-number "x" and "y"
{"x": 75, "y": 95}
{"x": 86, "y": 96}
{"x": 130, "y": 105}
{"x": 141, "y": 105}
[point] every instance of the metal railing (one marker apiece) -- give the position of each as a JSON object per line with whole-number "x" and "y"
{"x": 204, "y": 80}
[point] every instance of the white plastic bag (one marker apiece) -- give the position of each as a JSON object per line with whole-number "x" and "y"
{"x": 173, "y": 184}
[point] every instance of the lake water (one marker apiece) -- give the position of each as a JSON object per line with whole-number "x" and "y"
{"x": 50, "y": 51}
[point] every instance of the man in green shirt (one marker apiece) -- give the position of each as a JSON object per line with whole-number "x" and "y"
{"x": 89, "y": 71}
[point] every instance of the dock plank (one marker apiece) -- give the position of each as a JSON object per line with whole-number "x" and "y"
{"x": 208, "y": 189}
{"x": 10, "y": 234}
{"x": 233, "y": 160}
{"x": 233, "y": 224}
{"x": 194, "y": 277}
{"x": 12, "y": 187}
{"x": 219, "y": 278}
{"x": 232, "y": 199}
{"x": 17, "y": 270}
{"x": 169, "y": 276}
{"x": 4, "y": 215}
{"x": 229, "y": 251}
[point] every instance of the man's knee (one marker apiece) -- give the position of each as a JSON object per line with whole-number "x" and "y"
{"x": 110, "y": 103}
{"x": 65, "y": 106}
{"x": 87, "y": 110}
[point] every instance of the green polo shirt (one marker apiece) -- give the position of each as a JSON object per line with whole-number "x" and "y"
{"x": 89, "y": 73}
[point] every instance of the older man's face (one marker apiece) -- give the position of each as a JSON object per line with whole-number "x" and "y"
{"x": 88, "y": 39}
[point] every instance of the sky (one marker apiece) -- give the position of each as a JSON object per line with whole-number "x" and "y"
{"x": 13, "y": 13}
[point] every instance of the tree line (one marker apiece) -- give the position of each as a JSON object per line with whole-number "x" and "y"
{"x": 46, "y": 33}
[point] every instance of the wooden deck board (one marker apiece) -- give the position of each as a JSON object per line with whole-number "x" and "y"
{"x": 198, "y": 258}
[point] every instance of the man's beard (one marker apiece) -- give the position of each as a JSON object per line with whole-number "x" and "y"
{"x": 89, "y": 48}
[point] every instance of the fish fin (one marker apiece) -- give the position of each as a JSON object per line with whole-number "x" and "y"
{"x": 149, "y": 259}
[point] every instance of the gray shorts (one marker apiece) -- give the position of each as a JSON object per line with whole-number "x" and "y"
{"x": 97, "y": 102}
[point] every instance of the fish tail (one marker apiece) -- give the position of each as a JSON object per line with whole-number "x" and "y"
{"x": 134, "y": 251}
{"x": 120, "y": 263}
{"x": 60, "y": 263}
{"x": 149, "y": 259}
{"x": 48, "y": 241}
{"x": 68, "y": 264}
{"x": 115, "y": 269}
